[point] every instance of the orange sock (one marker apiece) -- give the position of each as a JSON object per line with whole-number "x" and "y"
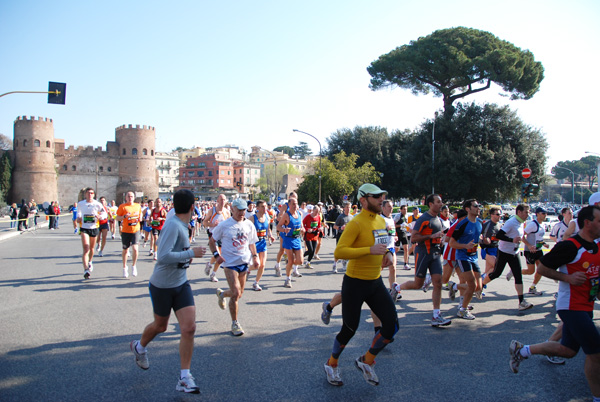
{"x": 369, "y": 358}
{"x": 332, "y": 362}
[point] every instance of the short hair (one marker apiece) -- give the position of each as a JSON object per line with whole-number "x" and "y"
{"x": 444, "y": 207}
{"x": 183, "y": 201}
{"x": 102, "y": 198}
{"x": 346, "y": 203}
{"x": 494, "y": 210}
{"x": 403, "y": 206}
{"x": 260, "y": 202}
{"x": 522, "y": 207}
{"x": 586, "y": 214}
{"x": 431, "y": 198}
{"x": 461, "y": 213}
{"x": 87, "y": 189}
{"x": 468, "y": 203}
{"x": 386, "y": 202}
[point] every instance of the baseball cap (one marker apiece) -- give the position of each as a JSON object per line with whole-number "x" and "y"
{"x": 594, "y": 198}
{"x": 240, "y": 203}
{"x": 540, "y": 209}
{"x": 369, "y": 188}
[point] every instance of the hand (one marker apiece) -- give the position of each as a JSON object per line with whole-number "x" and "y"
{"x": 486, "y": 240}
{"x": 517, "y": 240}
{"x": 199, "y": 251}
{"x": 470, "y": 245}
{"x": 532, "y": 249}
{"x": 220, "y": 260}
{"x": 436, "y": 235}
{"x": 255, "y": 262}
{"x": 387, "y": 261}
{"x": 577, "y": 278}
{"x": 378, "y": 249}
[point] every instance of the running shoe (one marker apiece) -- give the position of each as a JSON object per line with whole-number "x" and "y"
{"x": 90, "y": 267}
{"x": 100, "y": 254}
{"x": 256, "y": 287}
{"x": 133, "y": 270}
{"x": 207, "y": 268}
{"x": 296, "y": 274}
{"x": 445, "y": 286}
{"x": 316, "y": 257}
{"x": 509, "y": 275}
{"x": 326, "y": 315}
{"x": 515, "y": 356}
{"x": 113, "y": 237}
{"x": 367, "y": 370}
{"x": 76, "y": 230}
{"x": 151, "y": 253}
{"x": 307, "y": 265}
{"x": 451, "y": 290}
{"x": 187, "y": 385}
{"x": 344, "y": 263}
{"x": 406, "y": 267}
{"x": 534, "y": 292}
{"x": 478, "y": 295}
{"x": 86, "y": 274}
{"x": 465, "y": 314}
{"x": 556, "y": 359}
{"x": 287, "y": 283}
{"x": 427, "y": 283}
{"x": 213, "y": 277}
{"x": 277, "y": 270}
{"x": 220, "y": 298}
{"x": 141, "y": 359}
{"x": 334, "y": 269}
{"x": 440, "y": 321}
{"x": 525, "y": 305}
{"x": 125, "y": 273}
{"x": 333, "y": 375}
{"x": 236, "y": 329}
{"x": 395, "y": 293}
{"x": 469, "y": 307}
{"x": 155, "y": 258}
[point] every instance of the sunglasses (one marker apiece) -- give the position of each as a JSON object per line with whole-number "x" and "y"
{"x": 374, "y": 196}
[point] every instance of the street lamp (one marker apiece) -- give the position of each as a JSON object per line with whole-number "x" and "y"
{"x": 572, "y": 181}
{"x": 320, "y": 157}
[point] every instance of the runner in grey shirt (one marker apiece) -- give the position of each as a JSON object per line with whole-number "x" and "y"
{"x": 170, "y": 290}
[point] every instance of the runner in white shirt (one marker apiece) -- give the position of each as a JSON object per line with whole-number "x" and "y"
{"x": 89, "y": 212}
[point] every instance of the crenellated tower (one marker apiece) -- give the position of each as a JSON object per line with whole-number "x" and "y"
{"x": 137, "y": 166}
{"x": 34, "y": 174}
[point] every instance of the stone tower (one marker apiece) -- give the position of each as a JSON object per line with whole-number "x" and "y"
{"x": 34, "y": 174}
{"x": 137, "y": 166}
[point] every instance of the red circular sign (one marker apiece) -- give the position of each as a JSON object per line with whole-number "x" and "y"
{"x": 526, "y": 173}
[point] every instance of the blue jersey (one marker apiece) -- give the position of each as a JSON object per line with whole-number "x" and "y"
{"x": 465, "y": 232}
{"x": 261, "y": 232}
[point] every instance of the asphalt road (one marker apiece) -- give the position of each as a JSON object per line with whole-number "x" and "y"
{"x": 66, "y": 339}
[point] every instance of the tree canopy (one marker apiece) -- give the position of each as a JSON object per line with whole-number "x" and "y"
{"x": 456, "y": 62}
{"x": 302, "y": 150}
{"x": 585, "y": 168}
{"x": 5, "y": 142}
{"x": 285, "y": 149}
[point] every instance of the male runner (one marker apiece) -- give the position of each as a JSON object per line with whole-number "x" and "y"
{"x": 402, "y": 231}
{"x": 489, "y": 241}
{"x": 170, "y": 289}
{"x": 238, "y": 249}
{"x": 386, "y": 214}
{"x": 364, "y": 244}
{"x": 575, "y": 262}
{"x": 291, "y": 230}
{"x": 213, "y": 217}
{"x": 88, "y": 214}
{"x": 262, "y": 223}
{"x": 103, "y": 226}
{"x": 339, "y": 226}
{"x": 534, "y": 242}
{"x": 129, "y": 214}
{"x": 427, "y": 235}
{"x": 158, "y": 217}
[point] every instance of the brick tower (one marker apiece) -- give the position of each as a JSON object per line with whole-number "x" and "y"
{"x": 34, "y": 174}
{"x": 137, "y": 166}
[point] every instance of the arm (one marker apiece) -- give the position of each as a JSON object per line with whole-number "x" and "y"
{"x": 418, "y": 237}
{"x": 166, "y": 254}
{"x": 576, "y": 278}
{"x": 345, "y": 251}
{"x": 502, "y": 236}
{"x": 570, "y": 230}
{"x": 284, "y": 220}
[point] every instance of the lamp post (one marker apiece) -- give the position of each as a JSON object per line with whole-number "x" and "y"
{"x": 433, "y": 155}
{"x": 320, "y": 157}
{"x": 572, "y": 181}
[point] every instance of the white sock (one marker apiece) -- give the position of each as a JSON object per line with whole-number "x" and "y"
{"x": 185, "y": 373}
{"x": 289, "y": 278}
{"x": 525, "y": 352}
{"x": 276, "y": 265}
{"x": 436, "y": 313}
{"x": 140, "y": 348}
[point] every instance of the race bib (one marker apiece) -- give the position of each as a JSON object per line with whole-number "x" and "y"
{"x": 381, "y": 236}
{"x": 89, "y": 219}
{"x": 261, "y": 233}
{"x": 595, "y": 282}
{"x": 186, "y": 263}
{"x": 155, "y": 223}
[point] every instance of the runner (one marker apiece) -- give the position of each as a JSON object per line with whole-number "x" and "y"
{"x": 129, "y": 214}
{"x": 390, "y": 226}
{"x": 170, "y": 289}
{"x": 312, "y": 224}
{"x": 489, "y": 241}
{"x": 339, "y": 226}
{"x": 238, "y": 247}
{"x": 576, "y": 264}
{"x": 559, "y": 229}
{"x": 214, "y": 216}
{"x": 364, "y": 244}
{"x": 262, "y": 224}
{"x": 534, "y": 242}
{"x": 427, "y": 235}
{"x": 402, "y": 230}
{"x": 112, "y": 222}
{"x": 291, "y": 229}
{"x": 88, "y": 214}
{"x": 158, "y": 217}
{"x": 103, "y": 226}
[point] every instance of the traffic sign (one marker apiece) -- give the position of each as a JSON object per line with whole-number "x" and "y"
{"x": 526, "y": 173}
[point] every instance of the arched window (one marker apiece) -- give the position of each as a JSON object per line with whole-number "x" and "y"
{"x": 24, "y": 143}
{"x": 152, "y": 152}
{"x": 48, "y": 144}
{"x": 109, "y": 169}
{"x": 101, "y": 169}
{"x": 134, "y": 151}
{"x": 36, "y": 143}
{"x": 65, "y": 168}
{"x": 144, "y": 151}
{"x": 73, "y": 168}
{"x": 124, "y": 151}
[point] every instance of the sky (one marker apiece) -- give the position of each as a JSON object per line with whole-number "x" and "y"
{"x": 248, "y": 73}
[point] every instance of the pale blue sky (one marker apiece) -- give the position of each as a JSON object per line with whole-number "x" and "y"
{"x": 247, "y": 73}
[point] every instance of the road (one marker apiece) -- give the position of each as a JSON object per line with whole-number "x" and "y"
{"x": 66, "y": 339}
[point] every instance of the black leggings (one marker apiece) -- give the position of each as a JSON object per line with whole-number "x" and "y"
{"x": 513, "y": 262}
{"x": 311, "y": 246}
{"x": 355, "y": 292}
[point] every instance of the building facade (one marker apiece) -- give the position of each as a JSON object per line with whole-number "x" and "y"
{"x": 167, "y": 165}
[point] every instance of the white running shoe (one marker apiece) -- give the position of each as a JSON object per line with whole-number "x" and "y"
{"x": 440, "y": 321}
{"x": 465, "y": 314}
{"x": 86, "y": 274}
{"x": 256, "y": 287}
{"x": 134, "y": 271}
{"x": 296, "y": 274}
{"x": 509, "y": 275}
{"x": 515, "y": 355}
{"x": 287, "y": 283}
{"x": 125, "y": 272}
{"x": 333, "y": 375}
{"x": 155, "y": 258}
{"x": 100, "y": 254}
{"x": 213, "y": 277}
{"x": 220, "y": 298}
{"x": 316, "y": 257}
{"x": 277, "y": 270}
{"x": 90, "y": 267}
{"x": 141, "y": 359}
{"x": 368, "y": 371}
{"x": 207, "y": 268}
{"x": 525, "y": 305}
{"x": 427, "y": 283}
{"x": 187, "y": 385}
{"x": 236, "y": 329}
